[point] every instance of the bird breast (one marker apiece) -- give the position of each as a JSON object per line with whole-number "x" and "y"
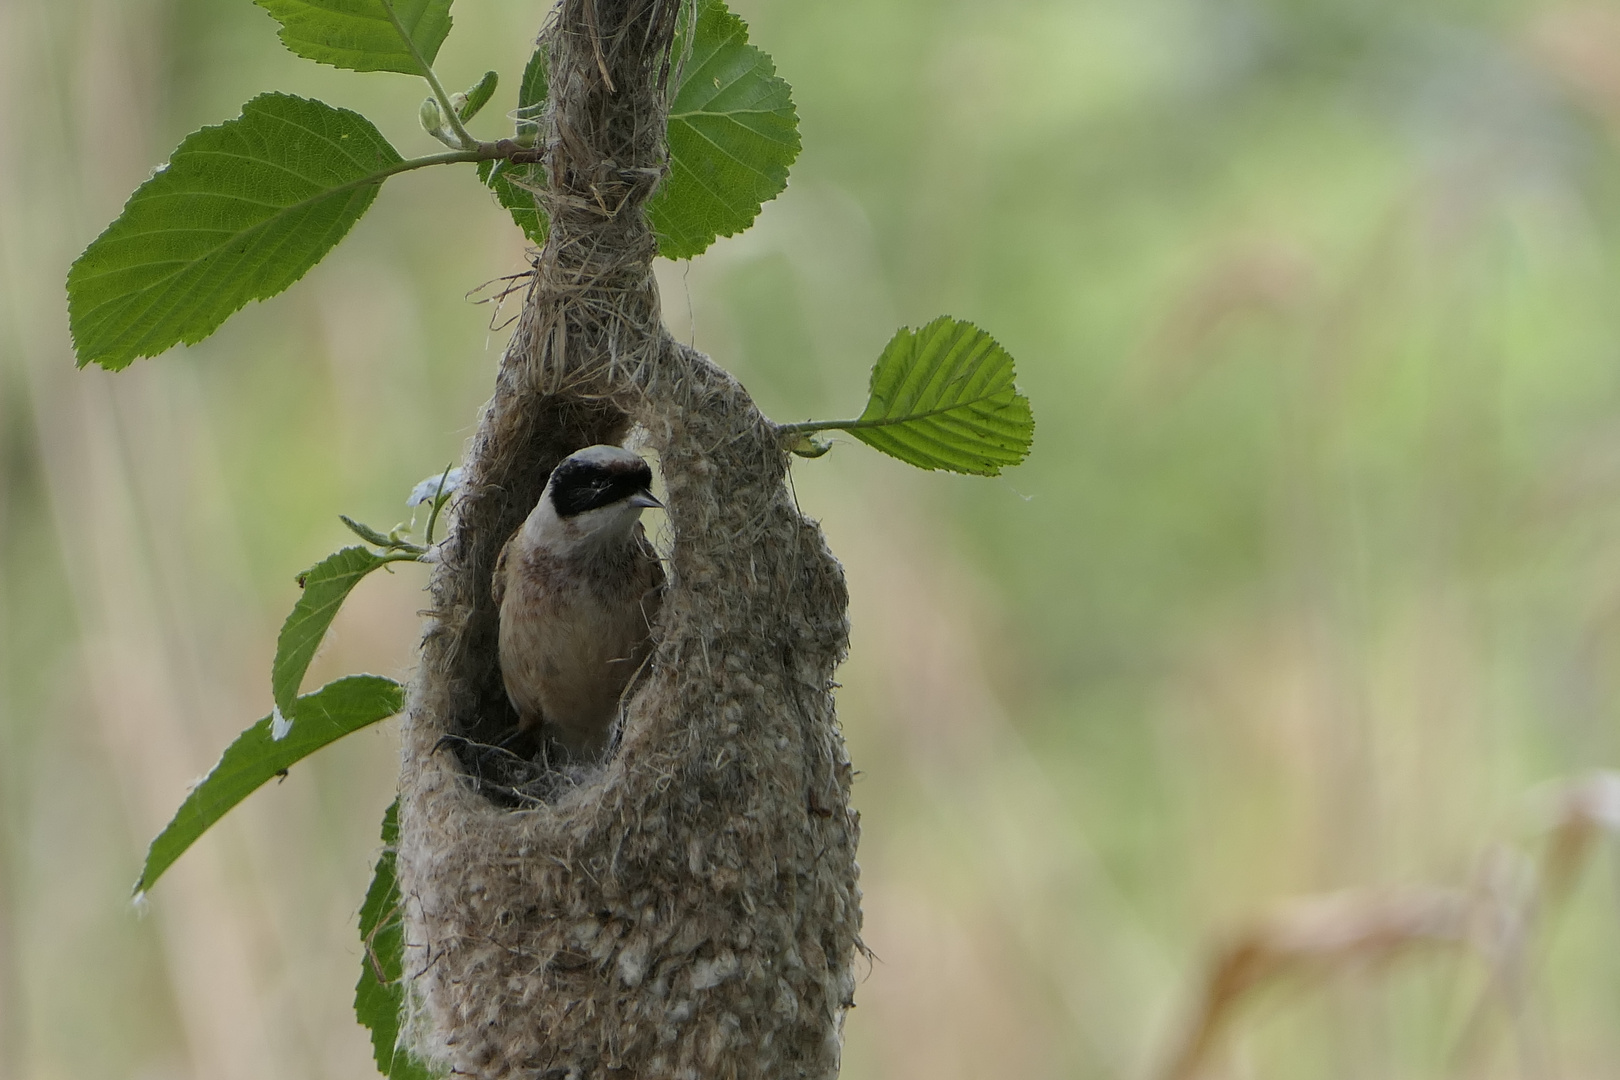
{"x": 573, "y": 630}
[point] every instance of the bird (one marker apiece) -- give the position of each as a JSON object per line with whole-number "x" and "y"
{"x": 578, "y": 586}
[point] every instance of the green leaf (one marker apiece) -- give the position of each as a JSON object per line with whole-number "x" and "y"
{"x": 515, "y": 185}
{"x": 240, "y": 212}
{"x": 326, "y": 585}
{"x": 477, "y": 96}
{"x": 325, "y": 716}
{"x": 532, "y": 92}
{"x": 732, "y": 135}
{"x": 365, "y": 532}
{"x": 379, "y": 996}
{"x": 943, "y": 398}
{"x": 364, "y": 35}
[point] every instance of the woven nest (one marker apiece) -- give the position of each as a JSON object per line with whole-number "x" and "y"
{"x": 690, "y": 908}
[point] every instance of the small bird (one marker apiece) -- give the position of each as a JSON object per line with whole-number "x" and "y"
{"x": 578, "y": 586}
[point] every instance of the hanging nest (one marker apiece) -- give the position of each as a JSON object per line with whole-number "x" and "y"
{"x": 690, "y": 908}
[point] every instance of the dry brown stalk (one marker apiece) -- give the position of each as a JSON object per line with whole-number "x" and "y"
{"x": 1312, "y": 936}
{"x": 1500, "y": 919}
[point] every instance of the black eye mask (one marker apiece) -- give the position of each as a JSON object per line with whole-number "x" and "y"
{"x": 578, "y": 486}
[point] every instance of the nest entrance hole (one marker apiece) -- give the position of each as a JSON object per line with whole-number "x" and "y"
{"x": 506, "y": 766}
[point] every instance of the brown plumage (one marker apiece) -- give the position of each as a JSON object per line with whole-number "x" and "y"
{"x": 578, "y": 586}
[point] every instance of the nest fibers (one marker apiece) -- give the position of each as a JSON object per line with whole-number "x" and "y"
{"x": 689, "y": 909}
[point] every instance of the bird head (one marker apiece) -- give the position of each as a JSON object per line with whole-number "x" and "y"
{"x": 594, "y": 495}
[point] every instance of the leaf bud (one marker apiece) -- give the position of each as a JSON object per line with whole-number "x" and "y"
{"x": 809, "y": 446}
{"x": 431, "y": 117}
{"x": 477, "y": 96}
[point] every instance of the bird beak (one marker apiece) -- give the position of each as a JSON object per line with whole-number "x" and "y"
{"x": 645, "y": 500}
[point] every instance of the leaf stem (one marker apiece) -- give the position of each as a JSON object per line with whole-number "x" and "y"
{"x": 438, "y": 504}
{"x": 450, "y": 114}
{"x": 822, "y": 425}
{"x": 449, "y": 157}
{"x": 504, "y": 150}
{"x": 877, "y": 421}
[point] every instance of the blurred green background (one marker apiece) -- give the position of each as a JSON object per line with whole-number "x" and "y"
{"x": 1313, "y": 575}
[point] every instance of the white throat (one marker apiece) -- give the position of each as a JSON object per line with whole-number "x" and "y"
{"x": 592, "y": 530}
